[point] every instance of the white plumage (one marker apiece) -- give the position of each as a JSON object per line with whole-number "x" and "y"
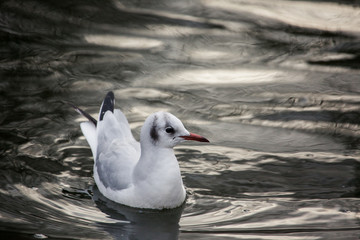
{"x": 142, "y": 175}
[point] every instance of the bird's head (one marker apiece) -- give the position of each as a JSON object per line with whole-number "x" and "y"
{"x": 162, "y": 129}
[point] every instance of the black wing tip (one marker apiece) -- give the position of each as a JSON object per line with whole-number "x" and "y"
{"x": 110, "y": 94}
{"x": 82, "y": 112}
{"x": 108, "y": 104}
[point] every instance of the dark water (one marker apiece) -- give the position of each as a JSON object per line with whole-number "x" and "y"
{"x": 274, "y": 85}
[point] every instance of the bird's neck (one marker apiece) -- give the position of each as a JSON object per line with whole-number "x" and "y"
{"x": 158, "y": 178}
{"x": 156, "y": 158}
{"x": 158, "y": 165}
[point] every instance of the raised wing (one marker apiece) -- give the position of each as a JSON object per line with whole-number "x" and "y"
{"x": 114, "y": 148}
{"x": 117, "y": 150}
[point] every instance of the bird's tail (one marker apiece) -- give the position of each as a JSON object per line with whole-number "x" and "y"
{"x": 88, "y": 128}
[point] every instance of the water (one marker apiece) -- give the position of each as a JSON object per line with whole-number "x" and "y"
{"x": 274, "y": 85}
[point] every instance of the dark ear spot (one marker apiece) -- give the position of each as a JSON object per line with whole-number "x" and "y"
{"x": 153, "y": 133}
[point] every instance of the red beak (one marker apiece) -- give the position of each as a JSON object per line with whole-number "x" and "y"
{"x": 195, "y": 137}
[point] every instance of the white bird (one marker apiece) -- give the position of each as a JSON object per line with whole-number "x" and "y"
{"x": 141, "y": 175}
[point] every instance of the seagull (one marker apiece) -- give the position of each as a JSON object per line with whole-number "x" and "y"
{"x": 143, "y": 174}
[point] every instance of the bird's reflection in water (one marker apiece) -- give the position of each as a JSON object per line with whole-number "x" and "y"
{"x": 134, "y": 223}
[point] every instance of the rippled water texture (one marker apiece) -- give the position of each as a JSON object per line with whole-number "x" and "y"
{"x": 274, "y": 85}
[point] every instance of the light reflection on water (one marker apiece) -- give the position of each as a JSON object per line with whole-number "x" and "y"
{"x": 274, "y": 86}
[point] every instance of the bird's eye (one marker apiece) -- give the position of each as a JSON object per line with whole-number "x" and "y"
{"x": 169, "y": 130}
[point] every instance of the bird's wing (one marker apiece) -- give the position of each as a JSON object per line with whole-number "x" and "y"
{"x": 113, "y": 126}
{"x": 114, "y": 148}
{"x": 117, "y": 150}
